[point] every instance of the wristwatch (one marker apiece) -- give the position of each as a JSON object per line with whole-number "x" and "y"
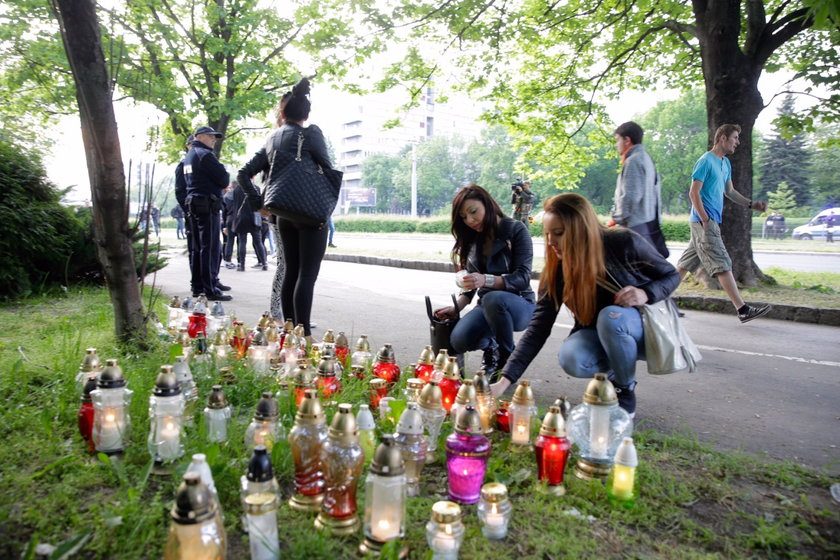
{"x": 489, "y": 280}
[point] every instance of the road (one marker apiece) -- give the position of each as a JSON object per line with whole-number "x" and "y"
{"x": 769, "y": 387}
{"x": 440, "y": 245}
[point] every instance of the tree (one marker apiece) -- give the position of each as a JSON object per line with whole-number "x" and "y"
{"x": 824, "y": 169}
{"x": 220, "y": 63}
{"x": 785, "y": 159}
{"x": 546, "y": 64}
{"x": 675, "y": 136}
{"x": 82, "y": 43}
{"x": 441, "y": 171}
{"x": 783, "y": 199}
{"x": 378, "y": 173}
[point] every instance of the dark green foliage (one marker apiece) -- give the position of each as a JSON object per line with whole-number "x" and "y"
{"x": 785, "y": 159}
{"x": 40, "y": 240}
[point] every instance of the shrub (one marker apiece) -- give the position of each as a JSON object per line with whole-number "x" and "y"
{"x": 39, "y": 238}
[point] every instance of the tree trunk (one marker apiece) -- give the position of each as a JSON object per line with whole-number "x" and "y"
{"x": 82, "y": 43}
{"x": 732, "y": 96}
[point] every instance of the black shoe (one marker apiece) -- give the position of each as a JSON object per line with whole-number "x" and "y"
{"x": 265, "y": 267}
{"x": 219, "y": 297}
{"x": 258, "y": 265}
{"x": 751, "y": 313}
{"x": 222, "y": 287}
{"x": 490, "y": 358}
{"x": 230, "y": 265}
{"x": 333, "y": 246}
{"x": 240, "y": 268}
{"x": 627, "y": 399}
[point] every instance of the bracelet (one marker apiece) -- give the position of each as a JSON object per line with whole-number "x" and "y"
{"x": 489, "y": 280}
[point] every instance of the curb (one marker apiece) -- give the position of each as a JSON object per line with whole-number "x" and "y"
{"x": 784, "y": 312}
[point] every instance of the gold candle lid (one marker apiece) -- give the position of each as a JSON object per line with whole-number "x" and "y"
{"x": 386, "y": 355}
{"x": 166, "y": 383}
{"x": 271, "y": 334}
{"x": 553, "y": 423}
{"x": 326, "y": 367}
{"x": 310, "y": 410}
{"x": 299, "y": 331}
{"x": 363, "y": 344}
{"x": 302, "y": 375}
{"x": 288, "y": 325}
{"x": 387, "y": 459}
{"x": 451, "y": 369}
{"x": 341, "y": 340}
{"x": 431, "y": 397}
{"x": 378, "y": 383}
{"x": 481, "y": 383}
{"x": 523, "y": 394}
{"x": 259, "y": 337}
{"x": 265, "y": 320}
{"x": 91, "y": 361}
{"x": 175, "y": 302}
{"x": 343, "y": 428}
{"x": 468, "y": 421}
{"x": 446, "y": 512}
{"x": 239, "y": 330}
{"x": 466, "y": 393}
{"x": 600, "y": 392}
{"x": 440, "y": 359}
{"x": 415, "y": 384}
{"x": 329, "y": 336}
{"x": 494, "y": 492}
{"x": 291, "y": 341}
{"x": 427, "y": 356}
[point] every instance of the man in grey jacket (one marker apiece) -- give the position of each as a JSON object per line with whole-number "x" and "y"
{"x": 637, "y": 190}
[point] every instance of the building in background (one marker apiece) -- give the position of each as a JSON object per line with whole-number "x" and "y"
{"x": 361, "y": 131}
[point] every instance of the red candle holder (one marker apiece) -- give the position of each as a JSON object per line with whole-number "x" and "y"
{"x": 197, "y": 324}
{"x": 424, "y": 372}
{"x": 327, "y": 385}
{"x": 552, "y": 450}
{"x": 239, "y": 339}
{"x": 86, "y": 411}
{"x": 378, "y": 390}
{"x": 386, "y": 365}
{"x": 449, "y": 390}
{"x": 503, "y": 417}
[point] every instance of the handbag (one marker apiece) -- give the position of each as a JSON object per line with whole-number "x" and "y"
{"x": 300, "y": 190}
{"x": 668, "y": 348}
{"x": 441, "y": 329}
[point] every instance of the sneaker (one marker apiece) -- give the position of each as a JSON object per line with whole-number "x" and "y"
{"x": 753, "y": 313}
{"x": 627, "y": 399}
{"x": 230, "y": 265}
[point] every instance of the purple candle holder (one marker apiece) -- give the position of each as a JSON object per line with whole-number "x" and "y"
{"x": 467, "y": 451}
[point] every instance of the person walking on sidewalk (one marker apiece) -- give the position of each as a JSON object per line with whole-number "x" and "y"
{"x": 581, "y": 256}
{"x": 496, "y": 253}
{"x": 711, "y": 181}
{"x": 637, "y": 189}
{"x": 246, "y": 222}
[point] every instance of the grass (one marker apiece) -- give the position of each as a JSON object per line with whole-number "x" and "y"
{"x": 694, "y": 502}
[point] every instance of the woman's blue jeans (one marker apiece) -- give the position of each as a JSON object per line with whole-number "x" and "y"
{"x": 615, "y": 344}
{"x": 498, "y": 315}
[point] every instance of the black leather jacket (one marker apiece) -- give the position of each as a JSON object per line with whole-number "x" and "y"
{"x": 631, "y": 260}
{"x": 284, "y": 139}
{"x": 510, "y": 257}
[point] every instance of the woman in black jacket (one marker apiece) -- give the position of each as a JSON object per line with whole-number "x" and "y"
{"x": 493, "y": 254}
{"x": 580, "y": 256}
{"x": 303, "y": 244}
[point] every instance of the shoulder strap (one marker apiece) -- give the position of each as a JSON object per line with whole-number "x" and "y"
{"x": 300, "y": 145}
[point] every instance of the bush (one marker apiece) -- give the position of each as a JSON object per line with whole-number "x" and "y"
{"x": 40, "y": 240}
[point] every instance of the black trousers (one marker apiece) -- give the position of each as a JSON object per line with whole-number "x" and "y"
{"x": 303, "y": 250}
{"x": 242, "y": 243}
{"x": 206, "y": 250}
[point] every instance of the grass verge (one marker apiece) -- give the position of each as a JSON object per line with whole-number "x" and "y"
{"x": 694, "y": 502}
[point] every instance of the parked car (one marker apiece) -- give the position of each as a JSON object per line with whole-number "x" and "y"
{"x": 816, "y": 228}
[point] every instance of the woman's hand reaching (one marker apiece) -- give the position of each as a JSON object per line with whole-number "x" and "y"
{"x": 630, "y": 296}
{"x": 445, "y": 312}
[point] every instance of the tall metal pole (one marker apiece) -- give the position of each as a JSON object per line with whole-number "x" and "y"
{"x": 414, "y": 180}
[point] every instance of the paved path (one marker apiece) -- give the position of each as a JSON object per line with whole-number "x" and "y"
{"x": 769, "y": 387}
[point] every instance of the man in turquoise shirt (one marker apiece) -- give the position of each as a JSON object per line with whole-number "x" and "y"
{"x": 711, "y": 180}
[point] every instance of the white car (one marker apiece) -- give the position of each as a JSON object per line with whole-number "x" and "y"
{"x": 816, "y": 228}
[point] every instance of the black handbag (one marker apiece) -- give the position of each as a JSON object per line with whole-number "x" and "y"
{"x": 441, "y": 329}
{"x": 300, "y": 190}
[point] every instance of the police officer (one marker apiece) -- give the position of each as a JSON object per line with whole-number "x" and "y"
{"x": 205, "y": 178}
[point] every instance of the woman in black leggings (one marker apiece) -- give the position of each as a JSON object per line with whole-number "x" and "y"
{"x": 303, "y": 245}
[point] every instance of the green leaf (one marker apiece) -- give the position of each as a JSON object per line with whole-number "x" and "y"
{"x": 70, "y": 547}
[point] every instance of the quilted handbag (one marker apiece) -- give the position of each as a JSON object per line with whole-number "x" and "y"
{"x": 668, "y": 348}
{"x": 300, "y": 190}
